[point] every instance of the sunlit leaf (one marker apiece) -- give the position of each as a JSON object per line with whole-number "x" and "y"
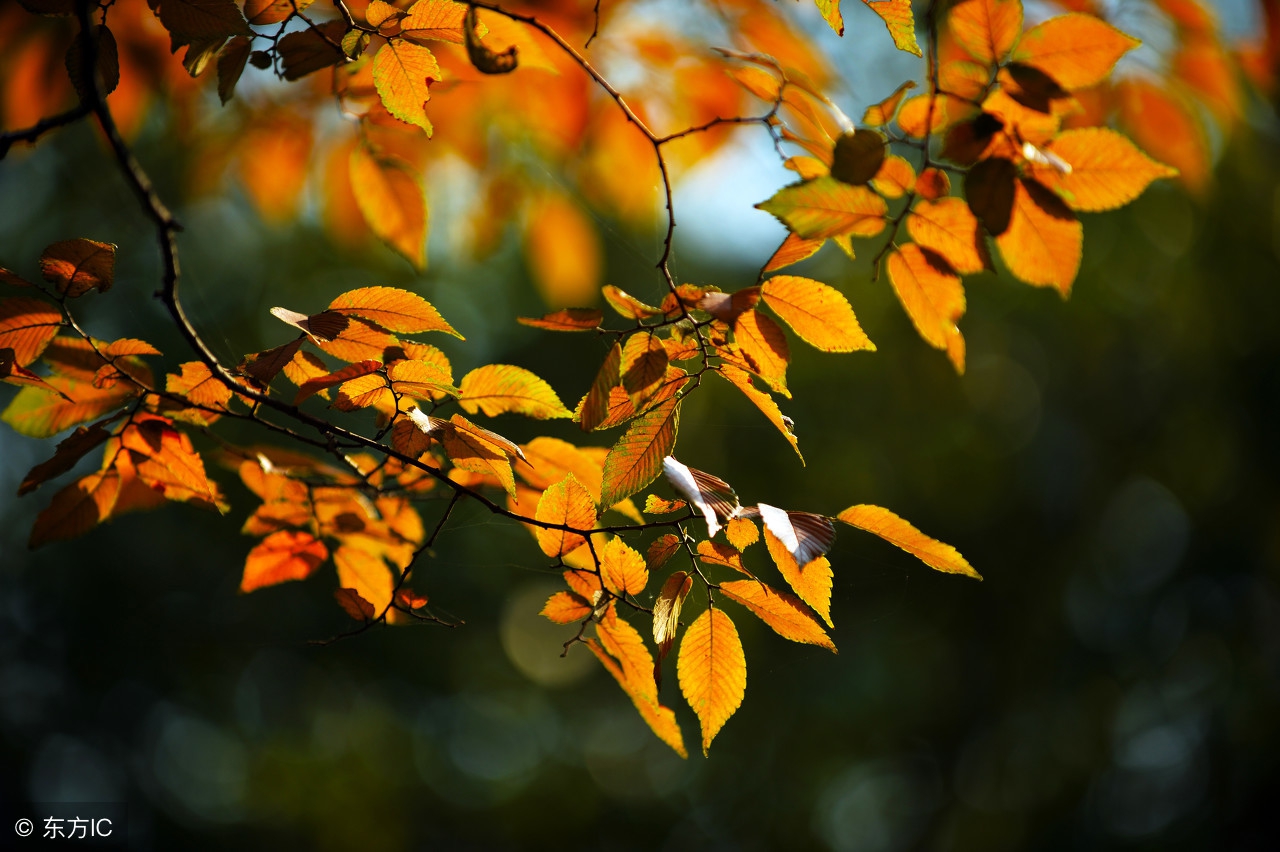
{"x": 787, "y": 615}
{"x": 366, "y": 573}
{"x": 42, "y": 413}
{"x": 819, "y": 314}
{"x": 742, "y": 532}
{"x": 661, "y": 550}
{"x": 1166, "y": 126}
{"x": 811, "y": 582}
{"x": 392, "y": 201}
{"x": 896, "y": 531}
{"x": 434, "y": 20}
{"x": 595, "y": 407}
{"x": 77, "y": 508}
{"x": 900, "y": 20}
{"x": 949, "y": 228}
{"x": 501, "y": 388}
{"x": 622, "y": 569}
{"x": 895, "y": 178}
{"x": 403, "y": 73}
{"x": 393, "y": 309}
{"x": 263, "y": 12}
{"x": 282, "y": 556}
{"x": 1107, "y": 170}
{"x": 566, "y": 608}
{"x": 567, "y": 503}
{"x": 166, "y": 461}
{"x": 627, "y": 305}
{"x": 721, "y": 555}
{"x": 878, "y": 115}
{"x": 337, "y": 377}
{"x": 987, "y": 29}
{"x": 713, "y": 671}
{"x": 826, "y": 207}
{"x": 27, "y": 326}
{"x": 567, "y": 319}
{"x": 666, "y": 611}
{"x": 74, "y": 267}
{"x": 793, "y": 250}
{"x": 933, "y": 297}
{"x": 1043, "y": 243}
{"x": 1076, "y": 50}
{"x": 631, "y": 664}
{"x": 636, "y": 459}
{"x": 765, "y": 346}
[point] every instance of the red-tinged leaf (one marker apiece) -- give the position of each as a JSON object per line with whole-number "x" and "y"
{"x": 366, "y": 573}
{"x": 895, "y": 178}
{"x": 628, "y": 660}
{"x": 721, "y": 555}
{"x": 661, "y": 550}
{"x": 393, "y": 309}
{"x": 70, "y": 450}
{"x": 263, "y": 12}
{"x": 1043, "y": 243}
{"x": 567, "y": 503}
{"x": 987, "y": 29}
{"x": 933, "y": 184}
{"x": 622, "y": 569}
{"x": 636, "y": 459}
{"x": 742, "y": 532}
{"x": 595, "y": 407}
{"x": 819, "y": 314}
{"x": 568, "y": 319}
{"x": 878, "y": 115}
{"x": 933, "y": 297}
{"x": 282, "y": 556}
{"x": 786, "y": 614}
{"x": 346, "y": 374}
{"x": 27, "y": 326}
{"x": 1166, "y": 125}
{"x": 896, "y": 531}
{"x": 435, "y": 20}
{"x": 13, "y": 279}
{"x": 900, "y": 21}
{"x": 403, "y": 73}
{"x": 655, "y": 505}
{"x": 811, "y": 582}
{"x": 42, "y": 413}
{"x": 1076, "y": 50}
{"x": 409, "y": 599}
{"x": 77, "y": 266}
{"x": 77, "y": 508}
{"x": 392, "y": 201}
{"x": 13, "y": 374}
{"x": 354, "y": 605}
{"x": 627, "y": 305}
{"x": 949, "y": 228}
{"x": 826, "y": 207}
{"x": 666, "y": 611}
{"x": 167, "y": 463}
{"x": 742, "y": 381}
{"x": 566, "y": 608}
{"x": 1107, "y": 170}
{"x": 501, "y": 388}
{"x": 765, "y": 347}
{"x": 713, "y": 671}
{"x": 830, "y": 10}
{"x": 793, "y": 250}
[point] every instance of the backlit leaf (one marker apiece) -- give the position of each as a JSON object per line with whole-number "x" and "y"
{"x": 470, "y": 449}
{"x": 878, "y": 115}
{"x": 896, "y": 531}
{"x": 655, "y": 505}
{"x": 282, "y": 556}
{"x": 622, "y": 569}
{"x": 566, "y": 503}
{"x": 354, "y": 605}
{"x": 393, "y": 309}
{"x": 501, "y": 388}
{"x": 896, "y": 177}
{"x": 438, "y": 20}
{"x": 366, "y": 573}
{"x": 77, "y": 508}
{"x": 900, "y": 20}
{"x": 636, "y": 459}
{"x": 765, "y": 346}
{"x": 1107, "y": 170}
{"x": 713, "y": 671}
{"x": 1076, "y": 50}
{"x": 631, "y": 664}
{"x": 1043, "y": 243}
{"x": 70, "y": 450}
{"x": 566, "y": 608}
{"x": 403, "y": 73}
{"x": 826, "y": 207}
{"x": 40, "y": 413}
{"x": 742, "y": 532}
{"x": 793, "y": 250}
{"x": 627, "y": 305}
{"x": 200, "y": 387}
{"x": 742, "y": 381}
{"x": 166, "y": 461}
{"x": 787, "y": 615}
{"x": 661, "y": 550}
{"x": 27, "y": 326}
{"x": 721, "y": 555}
{"x": 932, "y": 184}
{"x": 568, "y": 319}
{"x": 643, "y": 366}
{"x": 595, "y": 407}
{"x": 421, "y": 380}
{"x": 986, "y": 28}
{"x": 77, "y": 266}
{"x": 819, "y": 314}
{"x": 830, "y": 10}
{"x": 666, "y": 611}
{"x": 949, "y": 228}
{"x": 392, "y": 201}
{"x": 346, "y": 374}
{"x": 811, "y": 582}
{"x": 932, "y": 296}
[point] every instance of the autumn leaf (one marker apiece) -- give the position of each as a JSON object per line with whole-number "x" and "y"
{"x": 666, "y": 611}
{"x": 793, "y": 250}
{"x": 77, "y": 508}
{"x": 661, "y": 550}
{"x": 27, "y": 326}
{"x": 197, "y": 384}
{"x": 403, "y": 73}
{"x": 787, "y": 615}
{"x": 896, "y": 531}
{"x": 421, "y": 380}
{"x": 901, "y": 22}
{"x": 595, "y": 407}
{"x": 636, "y": 459}
{"x": 1043, "y": 243}
{"x": 166, "y": 461}
{"x": 566, "y": 608}
{"x": 282, "y": 556}
{"x": 721, "y": 555}
{"x": 987, "y": 29}
{"x": 434, "y": 20}
{"x": 366, "y": 573}
{"x": 819, "y": 314}
{"x": 392, "y": 201}
{"x": 713, "y": 671}
{"x": 354, "y": 605}
{"x": 949, "y": 228}
{"x": 932, "y": 295}
{"x": 40, "y": 413}
{"x": 74, "y": 267}
{"x": 567, "y": 503}
{"x": 761, "y": 400}
{"x": 858, "y": 156}
{"x": 878, "y": 115}
{"x": 626, "y": 305}
{"x": 765, "y": 347}
{"x": 502, "y": 388}
{"x": 263, "y": 12}
{"x": 1076, "y": 50}
{"x": 742, "y": 532}
{"x": 643, "y": 367}
{"x": 393, "y": 309}
{"x": 811, "y": 582}
{"x": 471, "y": 449}
{"x": 622, "y": 569}
{"x": 830, "y": 10}
{"x": 1107, "y": 170}
{"x": 895, "y": 178}
{"x": 826, "y": 207}
{"x": 337, "y": 377}
{"x": 69, "y": 451}
{"x": 625, "y": 656}
{"x": 567, "y": 319}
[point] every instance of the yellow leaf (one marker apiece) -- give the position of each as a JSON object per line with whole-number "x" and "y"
{"x": 435, "y": 20}
{"x": 948, "y": 227}
{"x": 787, "y": 615}
{"x": 1076, "y": 50}
{"x": 900, "y": 21}
{"x": 282, "y": 556}
{"x": 626, "y": 304}
{"x": 393, "y": 309}
{"x": 403, "y": 73}
{"x": 1107, "y": 170}
{"x": 566, "y": 503}
{"x": 391, "y": 199}
{"x": 812, "y": 582}
{"x": 830, "y": 10}
{"x": 826, "y": 207}
{"x": 722, "y": 555}
{"x": 666, "y": 611}
{"x": 422, "y": 379}
{"x": 713, "y": 671}
{"x": 819, "y": 314}
{"x": 365, "y": 572}
{"x": 636, "y": 459}
{"x": 765, "y": 347}
{"x": 564, "y": 251}
{"x": 896, "y": 531}
{"x": 643, "y": 367}
{"x": 986, "y": 28}
{"x": 469, "y": 449}
{"x": 1043, "y": 243}
{"x": 882, "y": 113}
{"x": 761, "y": 400}
{"x": 793, "y": 250}
{"x": 895, "y": 178}
{"x": 566, "y": 608}
{"x": 500, "y": 388}
{"x": 932, "y": 296}
{"x": 632, "y": 666}
{"x": 742, "y": 532}
{"x": 622, "y": 568}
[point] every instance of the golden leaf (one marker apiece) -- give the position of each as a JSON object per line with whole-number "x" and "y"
{"x": 566, "y": 503}
{"x": 787, "y": 615}
{"x": 819, "y": 314}
{"x": 500, "y": 388}
{"x": 811, "y": 582}
{"x": 282, "y": 556}
{"x": 898, "y": 532}
{"x": 622, "y": 568}
{"x": 713, "y": 671}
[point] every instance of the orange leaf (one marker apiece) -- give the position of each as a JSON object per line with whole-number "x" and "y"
{"x": 471, "y": 448}
{"x": 354, "y": 605}
{"x": 787, "y": 615}
{"x": 932, "y": 296}
{"x": 77, "y": 266}
{"x": 585, "y": 583}
{"x": 765, "y": 347}
{"x": 900, "y": 20}
{"x": 666, "y": 611}
{"x": 636, "y": 459}
{"x": 392, "y": 201}
{"x": 1107, "y": 170}
{"x": 986, "y": 28}
{"x": 1166, "y": 126}
{"x": 346, "y": 374}
{"x": 1044, "y": 240}
{"x": 595, "y": 407}
{"x": 499, "y": 388}
{"x": 70, "y": 450}
{"x": 933, "y": 184}
{"x": 622, "y": 568}
{"x": 826, "y": 207}
{"x": 27, "y": 326}
{"x": 439, "y": 20}
{"x": 551, "y": 458}
{"x": 742, "y": 381}
{"x": 1076, "y": 50}
{"x": 366, "y": 573}
{"x": 632, "y": 666}
{"x": 166, "y": 461}
{"x": 742, "y": 532}
{"x": 566, "y": 503}
{"x": 403, "y": 73}
{"x": 354, "y": 339}
{"x": 713, "y": 671}
{"x": 564, "y": 251}
{"x": 282, "y": 556}
{"x": 568, "y": 319}
{"x": 793, "y": 250}
{"x": 878, "y": 115}
{"x": 896, "y": 531}
{"x": 895, "y": 178}
{"x": 263, "y": 12}
{"x": 948, "y": 227}
{"x": 643, "y": 366}
{"x": 917, "y": 120}
{"x": 422, "y": 379}
{"x": 77, "y": 508}
{"x": 40, "y": 413}
{"x": 393, "y": 309}
{"x": 819, "y": 314}
{"x": 627, "y": 305}
{"x": 811, "y": 582}
{"x": 830, "y": 10}
{"x": 721, "y": 555}
{"x": 367, "y": 391}
{"x": 661, "y": 550}
{"x": 566, "y": 608}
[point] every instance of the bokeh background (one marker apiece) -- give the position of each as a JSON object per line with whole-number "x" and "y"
{"x": 1109, "y": 464}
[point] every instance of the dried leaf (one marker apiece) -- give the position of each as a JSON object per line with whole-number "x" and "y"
{"x": 632, "y": 666}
